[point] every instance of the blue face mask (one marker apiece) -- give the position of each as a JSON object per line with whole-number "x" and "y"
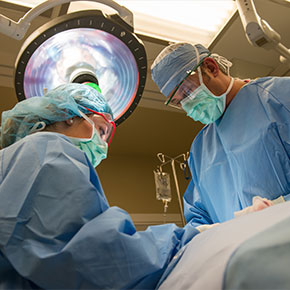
{"x": 202, "y": 105}
{"x": 95, "y": 147}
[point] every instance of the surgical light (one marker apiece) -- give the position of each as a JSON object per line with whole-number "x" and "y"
{"x": 85, "y": 46}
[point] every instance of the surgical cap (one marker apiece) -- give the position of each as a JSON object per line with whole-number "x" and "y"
{"x": 173, "y": 63}
{"x": 59, "y": 104}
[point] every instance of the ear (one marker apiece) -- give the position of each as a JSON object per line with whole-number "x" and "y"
{"x": 212, "y": 66}
{"x": 69, "y": 122}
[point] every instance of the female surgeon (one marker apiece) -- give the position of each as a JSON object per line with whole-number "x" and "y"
{"x": 57, "y": 230}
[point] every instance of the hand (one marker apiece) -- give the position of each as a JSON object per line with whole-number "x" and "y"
{"x": 259, "y": 203}
{"x": 203, "y": 228}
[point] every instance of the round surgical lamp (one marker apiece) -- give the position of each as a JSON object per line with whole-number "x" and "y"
{"x": 85, "y": 46}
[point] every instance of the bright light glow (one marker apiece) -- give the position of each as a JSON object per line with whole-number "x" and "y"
{"x": 29, "y": 3}
{"x": 201, "y": 14}
{"x": 173, "y": 20}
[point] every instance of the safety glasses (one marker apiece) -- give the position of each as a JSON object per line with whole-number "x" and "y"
{"x": 107, "y": 128}
{"x": 189, "y": 85}
{"x": 183, "y": 89}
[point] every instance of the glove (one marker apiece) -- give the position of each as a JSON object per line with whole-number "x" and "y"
{"x": 258, "y": 203}
{"x": 280, "y": 199}
{"x": 203, "y": 228}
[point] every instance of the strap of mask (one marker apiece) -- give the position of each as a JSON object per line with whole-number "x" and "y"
{"x": 230, "y": 86}
{"x": 86, "y": 118}
{"x": 38, "y": 126}
{"x": 223, "y": 62}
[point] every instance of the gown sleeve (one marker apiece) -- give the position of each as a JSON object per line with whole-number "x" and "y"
{"x": 278, "y": 108}
{"x": 58, "y": 231}
{"x": 194, "y": 210}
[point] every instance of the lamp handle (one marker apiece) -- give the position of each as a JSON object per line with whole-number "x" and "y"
{"x": 18, "y": 29}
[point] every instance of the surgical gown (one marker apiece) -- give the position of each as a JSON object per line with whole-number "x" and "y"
{"x": 57, "y": 230}
{"x": 243, "y": 154}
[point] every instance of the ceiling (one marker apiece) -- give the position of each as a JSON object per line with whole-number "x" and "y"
{"x": 153, "y": 127}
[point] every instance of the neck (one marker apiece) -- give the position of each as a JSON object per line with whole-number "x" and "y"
{"x": 238, "y": 84}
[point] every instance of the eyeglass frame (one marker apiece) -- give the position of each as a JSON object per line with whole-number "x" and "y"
{"x": 106, "y": 119}
{"x": 167, "y": 102}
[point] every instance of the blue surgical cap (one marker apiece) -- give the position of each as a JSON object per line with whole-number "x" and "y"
{"x": 59, "y": 104}
{"x": 173, "y": 63}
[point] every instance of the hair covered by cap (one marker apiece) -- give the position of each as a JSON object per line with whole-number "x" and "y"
{"x": 59, "y": 104}
{"x": 173, "y": 63}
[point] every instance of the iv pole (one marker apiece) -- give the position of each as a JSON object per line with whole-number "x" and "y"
{"x": 162, "y": 157}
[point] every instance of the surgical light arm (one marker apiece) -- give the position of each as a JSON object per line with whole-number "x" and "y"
{"x": 258, "y": 32}
{"x": 17, "y": 30}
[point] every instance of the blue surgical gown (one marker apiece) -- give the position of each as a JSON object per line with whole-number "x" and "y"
{"x": 57, "y": 230}
{"x": 243, "y": 154}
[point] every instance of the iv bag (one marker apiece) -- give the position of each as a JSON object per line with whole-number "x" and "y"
{"x": 162, "y": 183}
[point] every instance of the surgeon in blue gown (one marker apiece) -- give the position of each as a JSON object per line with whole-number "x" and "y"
{"x": 57, "y": 230}
{"x": 243, "y": 150}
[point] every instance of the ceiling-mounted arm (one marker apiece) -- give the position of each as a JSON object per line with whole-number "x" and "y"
{"x": 18, "y": 29}
{"x": 259, "y": 32}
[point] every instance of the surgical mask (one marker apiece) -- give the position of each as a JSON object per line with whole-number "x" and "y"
{"x": 95, "y": 147}
{"x": 202, "y": 105}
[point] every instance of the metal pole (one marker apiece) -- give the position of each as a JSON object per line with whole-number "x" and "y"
{"x": 178, "y": 193}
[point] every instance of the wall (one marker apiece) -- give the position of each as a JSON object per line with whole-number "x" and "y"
{"x": 129, "y": 183}
{"x": 7, "y": 99}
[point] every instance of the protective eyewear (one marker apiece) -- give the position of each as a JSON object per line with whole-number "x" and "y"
{"x": 184, "y": 88}
{"x": 105, "y": 125}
